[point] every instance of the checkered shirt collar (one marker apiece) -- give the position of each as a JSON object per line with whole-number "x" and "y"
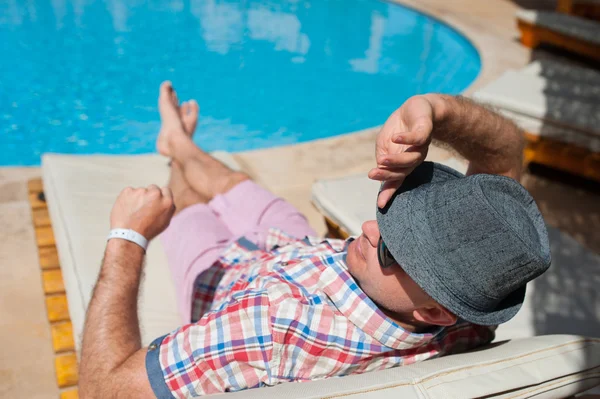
{"x": 354, "y": 304}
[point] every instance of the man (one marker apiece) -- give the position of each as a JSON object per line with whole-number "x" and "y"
{"x": 447, "y": 259}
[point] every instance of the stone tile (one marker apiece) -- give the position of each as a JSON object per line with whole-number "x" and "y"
{"x": 12, "y": 191}
{"x": 303, "y": 163}
{"x": 10, "y": 175}
{"x": 572, "y": 209}
{"x": 26, "y": 358}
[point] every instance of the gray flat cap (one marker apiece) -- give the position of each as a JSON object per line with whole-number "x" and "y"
{"x": 471, "y": 243}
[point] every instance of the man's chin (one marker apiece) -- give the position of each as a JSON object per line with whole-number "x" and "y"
{"x": 352, "y": 260}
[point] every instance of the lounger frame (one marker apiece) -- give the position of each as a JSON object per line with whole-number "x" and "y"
{"x": 533, "y": 35}
{"x": 563, "y": 156}
{"x": 63, "y": 344}
{"x": 579, "y": 8}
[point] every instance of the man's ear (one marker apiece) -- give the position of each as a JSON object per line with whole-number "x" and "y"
{"x": 435, "y": 314}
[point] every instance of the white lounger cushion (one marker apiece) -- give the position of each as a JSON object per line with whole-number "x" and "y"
{"x": 565, "y": 103}
{"x": 551, "y": 366}
{"x": 551, "y": 131}
{"x": 80, "y": 192}
{"x": 550, "y": 69}
{"x": 570, "y": 25}
{"x": 348, "y": 201}
{"x": 551, "y": 99}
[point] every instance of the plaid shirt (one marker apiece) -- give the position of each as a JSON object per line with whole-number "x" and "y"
{"x": 291, "y": 313}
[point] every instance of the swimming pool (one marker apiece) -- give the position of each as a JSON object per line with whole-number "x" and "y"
{"x": 82, "y": 76}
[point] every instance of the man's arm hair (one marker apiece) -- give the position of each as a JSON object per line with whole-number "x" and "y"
{"x": 491, "y": 143}
{"x": 112, "y": 360}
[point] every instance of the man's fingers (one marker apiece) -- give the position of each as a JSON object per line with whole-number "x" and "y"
{"x": 154, "y": 191}
{"x": 388, "y": 174}
{"x": 401, "y": 160}
{"x": 388, "y": 190}
{"x": 418, "y": 136}
{"x": 167, "y": 196}
{"x": 166, "y": 192}
{"x": 411, "y": 138}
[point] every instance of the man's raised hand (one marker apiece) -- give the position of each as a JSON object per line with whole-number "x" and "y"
{"x": 147, "y": 211}
{"x": 402, "y": 144}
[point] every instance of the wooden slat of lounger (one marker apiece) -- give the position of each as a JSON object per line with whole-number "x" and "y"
{"x": 36, "y": 194}
{"x": 533, "y": 35}
{"x": 66, "y": 370}
{"x": 57, "y": 308}
{"x": 65, "y": 362}
{"x": 53, "y": 281}
{"x": 564, "y": 6}
{"x": 48, "y": 258}
{"x": 587, "y": 10}
{"x": 62, "y": 337}
{"x": 566, "y": 157}
{"x": 582, "y": 8}
{"x": 44, "y": 236}
{"x": 70, "y": 394}
{"x": 40, "y": 217}
{"x": 35, "y": 201}
{"x": 334, "y": 230}
{"x": 592, "y": 166}
{"x": 35, "y": 185}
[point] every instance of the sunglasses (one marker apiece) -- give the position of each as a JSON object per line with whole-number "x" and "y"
{"x": 384, "y": 256}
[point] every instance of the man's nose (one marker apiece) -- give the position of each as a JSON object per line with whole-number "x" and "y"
{"x": 371, "y": 232}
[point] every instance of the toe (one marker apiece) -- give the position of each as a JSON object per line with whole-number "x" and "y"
{"x": 166, "y": 87}
{"x": 193, "y": 106}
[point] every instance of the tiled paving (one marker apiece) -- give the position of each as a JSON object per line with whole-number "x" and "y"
{"x": 26, "y": 358}
{"x": 26, "y": 365}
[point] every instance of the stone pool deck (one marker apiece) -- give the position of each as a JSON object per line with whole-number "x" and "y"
{"x": 26, "y": 359}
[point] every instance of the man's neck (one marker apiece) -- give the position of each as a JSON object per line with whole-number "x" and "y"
{"x": 407, "y": 321}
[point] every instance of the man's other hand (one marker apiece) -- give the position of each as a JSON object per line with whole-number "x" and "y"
{"x": 147, "y": 211}
{"x": 402, "y": 144}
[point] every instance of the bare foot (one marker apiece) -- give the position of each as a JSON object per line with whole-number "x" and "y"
{"x": 189, "y": 116}
{"x": 171, "y": 123}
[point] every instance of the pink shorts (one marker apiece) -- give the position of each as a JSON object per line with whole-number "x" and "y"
{"x": 198, "y": 234}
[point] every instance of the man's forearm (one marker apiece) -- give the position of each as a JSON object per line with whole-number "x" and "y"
{"x": 491, "y": 143}
{"x": 111, "y": 333}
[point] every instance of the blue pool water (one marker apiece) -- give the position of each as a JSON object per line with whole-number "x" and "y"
{"x": 81, "y": 76}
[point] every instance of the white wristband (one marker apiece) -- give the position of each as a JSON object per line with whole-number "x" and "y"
{"x": 129, "y": 235}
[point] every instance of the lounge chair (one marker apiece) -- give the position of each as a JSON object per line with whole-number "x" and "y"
{"x": 583, "y": 8}
{"x": 570, "y": 32}
{"x": 79, "y": 192}
{"x": 558, "y": 106}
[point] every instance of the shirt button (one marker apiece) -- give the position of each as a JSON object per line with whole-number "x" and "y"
{"x": 152, "y": 347}
{"x": 284, "y": 263}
